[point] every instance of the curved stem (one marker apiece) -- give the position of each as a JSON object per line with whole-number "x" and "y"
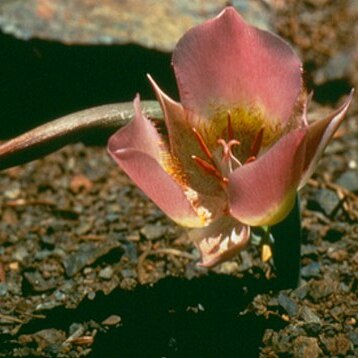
{"x": 56, "y": 134}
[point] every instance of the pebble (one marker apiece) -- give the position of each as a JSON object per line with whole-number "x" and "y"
{"x": 312, "y": 329}
{"x": 325, "y": 200}
{"x": 86, "y": 255}
{"x": 13, "y": 192}
{"x": 309, "y": 250}
{"x": 59, "y": 295}
{"x": 349, "y": 180}
{"x": 335, "y": 69}
{"x": 311, "y": 270}
{"x": 153, "y": 232}
{"x": 309, "y": 316}
{"x": 287, "y": 304}
{"x": 337, "y": 255}
{"x": 353, "y": 336}
{"x": 20, "y": 254}
{"x": 338, "y": 345}
{"x": 112, "y": 320}
{"x": 106, "y": 273}
{"x": 301, "y": 292}
{"x": 38, "y": 283}
{"x": 322, "y": 288}
{"x": 306, "y": 347}
{"x": 3, "y": 289}
{"x": 45, "y": 339}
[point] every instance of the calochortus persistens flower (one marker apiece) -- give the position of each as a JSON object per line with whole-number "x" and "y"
{"x": 237, "y": 147}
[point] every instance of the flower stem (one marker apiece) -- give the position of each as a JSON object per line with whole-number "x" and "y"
{"x": 287, "y": 249}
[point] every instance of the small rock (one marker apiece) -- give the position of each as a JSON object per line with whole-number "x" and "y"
{"x": 349, "y": 180}
{"x": 309, "y": 316}
{"x": 306, "y": 347}
{"x": 309, "y": 250}
{"x": 335, "y": 69}
{"x": 301, "y": 292}
{"x": 112, "y": 320}
{"x": 38, "y": 283}
{"x": 337, "y": 255}
{"x": 287, "y": 304}
{"x": 228, "y": 267}
{"x": 129, "y": 273}
{"x": 13, "y": 192}
{"x": 3, "y": 289}
{"x": 312, "y": 329}
{"x": 84, "y": 227}
{"x": 45, "y": 339}
{"x": 86, "y": 255}
{"x": 322, "y": 288}
{"x": 20, "y": 254}
{"x": 353, "y": 336}
{"x": 355, "y": 258}
{"x": 80, "y": 182}
{"x": 337, "y": 345}
{"x": 311, "y": 270}
{"x": 59, "y": 295}
{"x": 76, "y": 330}
{"x": 246, "y": 261}
{"x": 106, "y": 273}
{"x": 91, "y": 295}
{"x": 153, "y": 232}
{"x": 10, "y": 217}
{"x": 128, "y": 284}
{"x": 325, "y": 200}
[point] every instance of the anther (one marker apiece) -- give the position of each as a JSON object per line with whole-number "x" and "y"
{"x": 209, "y": 168}
{"x": 230, "y": 131}
{"x": 257, "y": 143}
{"x": 250, "y": 159}
{"x": 202, "y": 144}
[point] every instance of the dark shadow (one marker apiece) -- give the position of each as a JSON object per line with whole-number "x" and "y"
{"x": 43, "y": 80}
{"x": 158, "y": 321}
{"x": 332, "y": 91}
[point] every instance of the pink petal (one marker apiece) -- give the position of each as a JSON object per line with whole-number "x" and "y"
{"x": 221, "y": 240}
{"x": 226, "y": 62}
{"x": 318, "y": 136}
{"x": 263, "y": 192}
{"x": 139, "y": 134}
{"x": 183, "y": 145}
{"x": 137, "y": 150}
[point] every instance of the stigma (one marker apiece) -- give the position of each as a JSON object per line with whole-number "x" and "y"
{"x": 222, "y": 161}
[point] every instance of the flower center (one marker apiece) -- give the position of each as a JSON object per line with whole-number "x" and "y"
{"x": 222, "y": 164}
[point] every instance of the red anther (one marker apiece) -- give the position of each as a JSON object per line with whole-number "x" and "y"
{"x": 256, "y": 145}
{"x": 202, "y": 144}
{"x": 230, "y": 131}
{"x": 209, "y": 168}
{"x": 250, "y": 159}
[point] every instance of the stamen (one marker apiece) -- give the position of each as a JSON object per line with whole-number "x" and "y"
{"x": 207, "y": 167}
{"x": 230, "y": 131}
{"x": 256, "y": 145}
{"x": 202, "y": 144}
{"x": 250, "y": 159}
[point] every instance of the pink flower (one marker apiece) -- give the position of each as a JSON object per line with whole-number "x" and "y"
{"x": 238, "y": 146}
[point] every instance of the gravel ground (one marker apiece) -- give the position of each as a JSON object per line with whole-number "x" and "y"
{"x": 90, "y": 267}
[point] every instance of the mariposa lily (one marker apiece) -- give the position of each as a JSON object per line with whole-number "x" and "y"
{"x": 237, "y": 146}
